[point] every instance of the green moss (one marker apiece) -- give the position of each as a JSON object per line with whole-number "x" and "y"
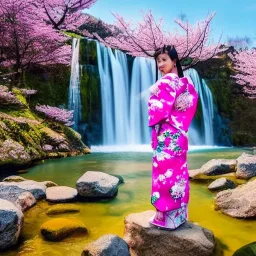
{"x": 51, "y": 83}
{"x": 88, "y": 52}
{"x": 59, "y": 228}
{"x": 20, "y": 96}
{"x": 60, "y": 209}
{"x": 236, "y": 109}
{"x": 90, "y": 96}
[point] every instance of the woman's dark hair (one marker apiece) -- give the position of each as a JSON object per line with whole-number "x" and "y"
{"x": 171, "y": 51}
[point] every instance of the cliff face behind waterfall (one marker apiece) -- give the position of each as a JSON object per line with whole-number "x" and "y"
{"x": 237, "y": 113}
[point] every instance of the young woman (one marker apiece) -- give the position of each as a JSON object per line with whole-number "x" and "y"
{"x": 171, "y": 108}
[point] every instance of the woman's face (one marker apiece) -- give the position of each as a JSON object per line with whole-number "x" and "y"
{"x": 164, "y": 63}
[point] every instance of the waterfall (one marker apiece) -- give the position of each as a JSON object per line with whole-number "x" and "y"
{"x": 124, "y": 100}
{"x": 206, "y": 99}
{"x": 142, "y": 76}
{"x": 113, "y": 69}
{"x": 74, "y": 102}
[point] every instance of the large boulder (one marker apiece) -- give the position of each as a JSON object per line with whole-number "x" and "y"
{"x": 189, "y": 239}
{"x": 21, "y": 198}
{"x": 97, "y": 185}
{"x": 246, "y": 166}
{"x": 218, "y": 167}
{"x": 57, "y": 229}
{"x": 107, "y": 245}
{"x": 61, "y": 194}
{"x": 221, "y": 184}
{"x": 34, "y": 187}
{"x": 10, "y": 225}
{"x": 239, "y": 202}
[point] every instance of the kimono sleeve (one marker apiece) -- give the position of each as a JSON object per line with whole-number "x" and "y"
{"x": 161, "y": 102}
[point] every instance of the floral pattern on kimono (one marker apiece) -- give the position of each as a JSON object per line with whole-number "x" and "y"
{"x": 171, "y": 108}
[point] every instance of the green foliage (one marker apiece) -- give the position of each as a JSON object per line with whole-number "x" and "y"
{"x": 231, "y": 104}
{"x": 87, "y": 52}
{"x": 52, "y": 84}
{"x": 90, "y": 95}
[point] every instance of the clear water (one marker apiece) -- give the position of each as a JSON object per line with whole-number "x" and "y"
{"x": 134, "y": 196}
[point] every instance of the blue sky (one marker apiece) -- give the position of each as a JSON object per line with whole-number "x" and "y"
{"x": 233, "y": 17}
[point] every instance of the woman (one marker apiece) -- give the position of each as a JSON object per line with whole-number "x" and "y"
{"x": 171, "y": 107}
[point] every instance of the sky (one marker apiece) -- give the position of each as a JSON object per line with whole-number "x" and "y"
{"x": 233, "y": 17}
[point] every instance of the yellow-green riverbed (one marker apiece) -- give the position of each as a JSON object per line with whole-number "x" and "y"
{"x": 106, "y": 217}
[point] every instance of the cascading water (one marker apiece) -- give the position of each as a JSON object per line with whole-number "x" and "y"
{"x": 142, "y": 76}
{"x": 206, "y": 99}
{"x": 113, "y": 71}
{"x": 124, "y": 107}
{"x": 74, "y": 102}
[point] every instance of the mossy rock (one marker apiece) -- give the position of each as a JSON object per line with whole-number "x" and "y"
{"x": 60, "y": 209}
{"x": 247, "y": 250}
{"x": 14, "y": 178}
{"x": 59, "y": 228}
{"x": 49, "y": 183}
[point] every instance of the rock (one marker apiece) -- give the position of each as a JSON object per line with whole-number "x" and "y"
{"x": 107, "y": 245}
{"x": 57, "y": 229}
{"x": 11, "y": 223}
{"x": 246, "y": 166}
{"x": 121, "y": 179}
{"x": 189, "y": 239}
{"x": 52, "y": 137}
{"x": 12, "y": 152}
{"x": 25, "y": 201}
{"x": 36, "y": 188}
{"x": 193, "y": 173}
{"x": 64, "y": 147}
{"x": 61, "y": 194}
{"x": 21, "y": 198}
{"x": 14, "y": 178}
{"x": 48, "y": 183}
{"x": 97, "y": 184}
{"x": 47, "y": 148}
{"x": 221, "y": 184}
{"x": 22, "y": 171}
{"x": 239, "y": 202}
{"x": 247, "y": 250}
{"x": 218, "y": 166}
{"x": 59, "y": 209}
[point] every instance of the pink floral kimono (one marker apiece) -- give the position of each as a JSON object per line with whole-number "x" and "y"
{"x": 171, "y": 108}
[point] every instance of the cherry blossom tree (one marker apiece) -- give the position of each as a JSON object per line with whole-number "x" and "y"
{"x": 31, "y": 32}
{"x": 190, "y": 41}
{"x": 64, "y": 14}
{"x": 63, "y": 116}
{"x": 245, "y": 68}
{"x": 26, "y": 39}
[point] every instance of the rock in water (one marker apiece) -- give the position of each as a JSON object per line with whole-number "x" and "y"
{"x": 247, "y": 250}
{"x": 36, "y": 188}
{"x": 239, "y": 202}
{"x": 97, "y": 185}
{"x": 111, "y": 245}
{"x": 57, "y": 229}
{"x": 246, "y": 166}
{"x": 144, "y": 239}
{"x": 11, "y": 221}
{"x": 218, "y": 166}
{"x": 221, "y": 184}
{"x": 61, "y": 194}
